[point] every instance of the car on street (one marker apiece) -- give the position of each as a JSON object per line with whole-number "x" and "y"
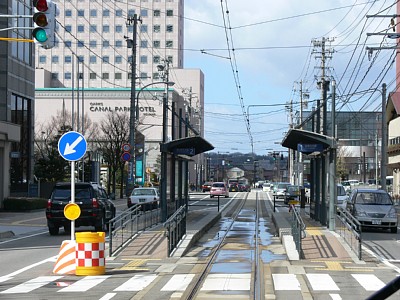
{"x": 266, "y": 187}
{"x": 280, "y": 189}
{"x": 373, "y": 209}
{"x": 206, "y": 186}
{"x": 244, "y": 187}
{"x": 219, "y": 189}
{"x": 234, "y": 187}
{"x": 292, "y": 194}
{"x": 147, "y": 197}
{"x": 96, "y": 209}
{"x": 342, "y": 196}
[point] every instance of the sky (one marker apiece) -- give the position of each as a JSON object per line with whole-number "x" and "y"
{"x": 255, "y": 57}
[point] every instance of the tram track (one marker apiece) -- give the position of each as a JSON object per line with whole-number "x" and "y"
{"x": 245, "y": 211}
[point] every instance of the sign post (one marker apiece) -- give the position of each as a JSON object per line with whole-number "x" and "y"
{"x": 72, "y": 147}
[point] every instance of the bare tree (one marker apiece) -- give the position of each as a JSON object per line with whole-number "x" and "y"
{"x": 114, "y": 133}
{"x": 341, "y": 169}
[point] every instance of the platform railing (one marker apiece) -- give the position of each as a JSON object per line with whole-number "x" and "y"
{"x": 124, "y": 227}
{"x": 298, "y": 230}
{"x": 175, "y": 228}
{"x": 349, "y": 228}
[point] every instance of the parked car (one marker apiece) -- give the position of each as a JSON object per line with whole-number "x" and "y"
{"x": 96, "y": 207}
{"x": 292, "y": 193}
{"x": 280, "y": 189}
{"x": 346, "y": 185}
{"x": 342, "y": 197}
{"x": 233, "y": 187}
{"x": 148, "y": 197}
{"x": 219, "y": 189}
{"x": 373, "y": 208}
{"x": 206, "y": 186}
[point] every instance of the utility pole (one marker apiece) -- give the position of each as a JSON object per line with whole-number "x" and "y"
{"x": 132, "y": 43}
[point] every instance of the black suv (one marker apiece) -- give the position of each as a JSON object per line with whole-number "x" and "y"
{"x": 96, "y": 208}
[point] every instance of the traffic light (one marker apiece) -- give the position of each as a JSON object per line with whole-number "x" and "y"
{"x": 44, "y": 19}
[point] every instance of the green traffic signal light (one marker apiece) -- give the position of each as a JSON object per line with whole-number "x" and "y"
{"x": 40, "y": 35}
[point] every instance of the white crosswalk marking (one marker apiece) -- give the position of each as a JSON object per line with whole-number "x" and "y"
{"x": 227, "y": 282}
{"x": 178, "y": 282}
{"x": 84, "y": 284}
{"x": 369, "y": 281}
{"x": 286, "y": 282}
{"x": 322, "y": 282}
{"x": 136, "y": 283}
{"x": 31, "y": 285}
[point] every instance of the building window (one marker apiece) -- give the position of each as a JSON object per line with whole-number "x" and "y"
{"x": 168, "y": 44}
{"x": 156, "y": 28}
{"x": 92, "y": 75}
{"x": 143, "y": 59}
{"x": 54, "y": 76}
{"x": 156, "y": 75}
{"x": 118, "y": 75}
{"x": 105, "y": 76}
{"x": 170, "y": 59}
{"x": 118, "y": 59}
{"x": 130, "y": 59}
{"x": 67, "y": 59}
{"x": 68, "y": 28}
{"x": 106, "y": 28}
{"x": 93, "y": 59}
{"x": 106, "y": 44}
{"x": 156, "y": 44}
{"x": 156, "y": 13}
{"x": 106, "y": 59}
{"x": 170, "y": 28}
{"x": 118, "y": 44}
{"x": 93, "y": 13}
{"x": 143, "y": 44}
{"x": 81, "y": 12}
{"x": 81, "y": 58}
{"x": 93, "y": 44}
{"x": 81, "y": 44}
{"x": 143, "y": 28}
{"x": 54, "y": 59}
{"x": 143, "y": 12}
{"x": 42, "y": 59}
{"x": 81, "y": 28}
{"x": 131, "y": 12}
{"x": 93, "y": 28}
{"x": 67, "y": 76}
{"x": 106, "y": 13}
{"x": 68, "y": 13}
{"x": 156, "y": 59}
{"x": 118, "y": 28}
{"x": 143, "y": 75}
{"x": 118, "y": 13}
{"x": 68, "y": 44}
{"x": 170, "y": 13}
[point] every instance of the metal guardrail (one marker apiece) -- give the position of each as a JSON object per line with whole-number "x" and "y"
{"x": 298, "y": 230}
{"x": 175, "y": 228}
{"x": 349, "y": 229}
{"x": 129, "y": 223}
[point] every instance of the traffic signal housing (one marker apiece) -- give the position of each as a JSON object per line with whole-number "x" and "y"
{"x": 44, "y": 19}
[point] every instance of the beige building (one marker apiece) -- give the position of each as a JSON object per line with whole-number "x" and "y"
{"x": 392, "y": 117}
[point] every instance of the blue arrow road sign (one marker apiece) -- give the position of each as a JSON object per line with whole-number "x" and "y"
{"x": 72, "y": 146}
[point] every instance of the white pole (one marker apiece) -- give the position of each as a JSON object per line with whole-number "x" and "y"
{"x": 72, "y": 198}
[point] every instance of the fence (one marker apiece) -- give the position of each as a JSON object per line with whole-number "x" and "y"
{"x": 176, "y": 228}
{"x": 128, "y": 224}
{"x": 298, "y": 230}
{"x": 349, "y": 229}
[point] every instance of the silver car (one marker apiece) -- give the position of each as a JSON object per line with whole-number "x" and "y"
{"x": 373, "y": 208}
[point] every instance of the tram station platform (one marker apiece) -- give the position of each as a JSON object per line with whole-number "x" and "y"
{"x": 319, "y": 244}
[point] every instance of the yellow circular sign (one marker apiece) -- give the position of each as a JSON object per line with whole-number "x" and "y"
{"x": 72, "y": 211}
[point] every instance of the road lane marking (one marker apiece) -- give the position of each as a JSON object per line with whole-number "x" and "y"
{"x": 23, "y": 237}
{"x": 227, "y": 282}
{"x": 322, "y": 282}
{"x": 286, "y": 282}
{"x": 369, "y": 282}
{"x": 136, "y": 283}
{"x": 84, "y": 284}
{"x": 31, "y": 285}
{"x": 108, "y": 296}
{"x": 178, "y": 282}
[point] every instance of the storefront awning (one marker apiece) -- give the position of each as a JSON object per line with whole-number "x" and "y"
{"x": 298, "y": 136}
{"x": 189, "y": 146}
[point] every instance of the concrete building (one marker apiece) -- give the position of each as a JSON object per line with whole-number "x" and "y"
{"x": 16, "y": 101}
